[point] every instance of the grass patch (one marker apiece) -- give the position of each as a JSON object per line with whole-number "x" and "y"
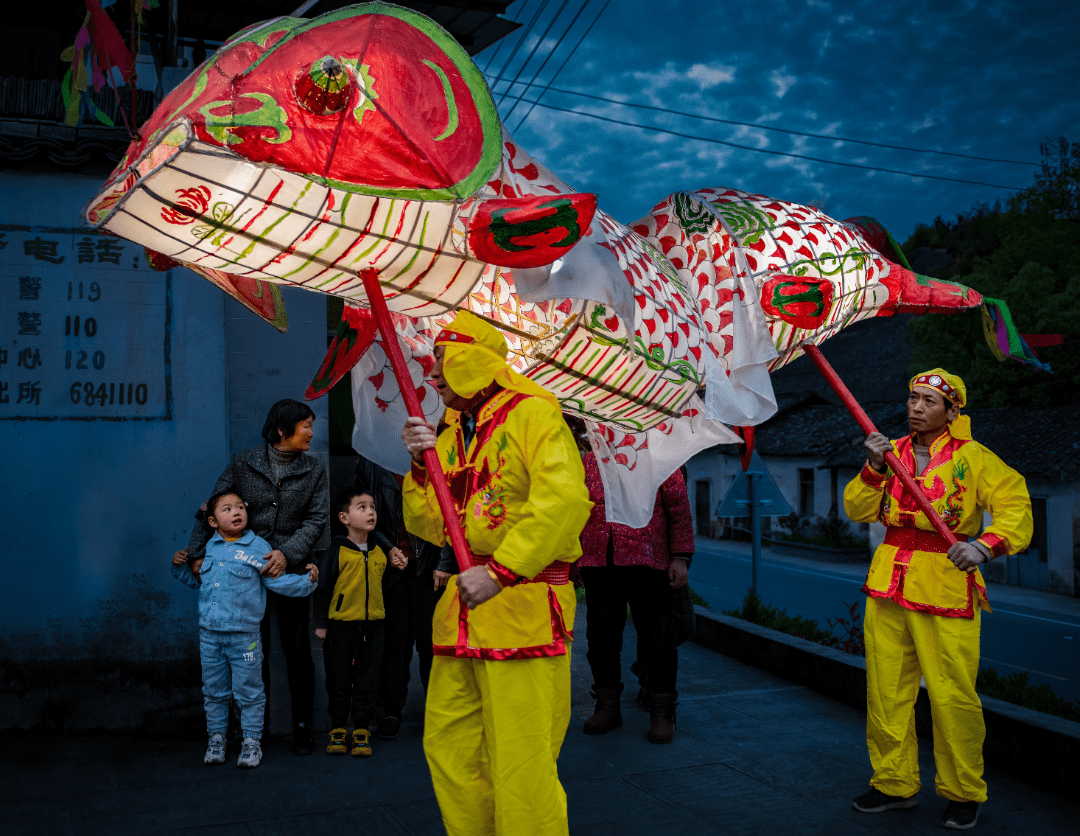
{"x": 1015, "y": 688}
{"x": 756, "y": 611}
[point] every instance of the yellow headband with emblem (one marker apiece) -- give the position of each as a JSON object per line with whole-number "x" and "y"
{"x": 474, "y": 357}
{"x": 949, "y": 385}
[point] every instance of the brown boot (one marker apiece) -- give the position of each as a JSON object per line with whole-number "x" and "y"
{"x": 662, "y": 712}
{"x": 608, "y": 714}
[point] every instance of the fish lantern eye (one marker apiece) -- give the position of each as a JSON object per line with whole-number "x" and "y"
{"x": 324, "y": 87}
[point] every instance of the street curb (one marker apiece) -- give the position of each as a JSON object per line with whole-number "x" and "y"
{"x": 1040, "y": 749}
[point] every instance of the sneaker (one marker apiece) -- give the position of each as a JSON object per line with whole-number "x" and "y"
{"x": 361, "y": 744}
{"x": 961, "y": 815}
{"x": 337, "y": 746}
{"x": 215, "y": 749}
{"x": 388, "y": 728}
{"x": 303, "y": 741}
{"x": 875, "y": 801}
{"x": 250, "y": 754}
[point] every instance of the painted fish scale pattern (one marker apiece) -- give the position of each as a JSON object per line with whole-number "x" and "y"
{"x": 757, "y": 238}
{"x": 697, "y": 247}
{"x": 778, "y": 237}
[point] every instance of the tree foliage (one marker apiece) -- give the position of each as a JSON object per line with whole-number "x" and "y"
{"x": 1027, "y": 253}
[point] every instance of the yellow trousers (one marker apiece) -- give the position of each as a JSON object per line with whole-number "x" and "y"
{"x": 492, "y": 734}
{"x": 901, "y": 646}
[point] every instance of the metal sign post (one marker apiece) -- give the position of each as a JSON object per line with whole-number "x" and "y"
{"x": 755, "y": 529}
{"x": 754, "y": 489}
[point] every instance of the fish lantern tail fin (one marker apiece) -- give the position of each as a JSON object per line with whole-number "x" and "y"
{"x": 1006, "y": 341}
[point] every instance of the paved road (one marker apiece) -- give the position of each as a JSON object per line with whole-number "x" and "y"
{"x": 753, "y": 754}
{"x": 1032, "y": 631}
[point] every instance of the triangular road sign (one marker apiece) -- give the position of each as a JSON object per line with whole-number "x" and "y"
{"x": 736, "y": 502}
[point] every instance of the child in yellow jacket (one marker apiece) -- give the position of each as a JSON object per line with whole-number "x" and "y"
{"x": 349, "y": 617}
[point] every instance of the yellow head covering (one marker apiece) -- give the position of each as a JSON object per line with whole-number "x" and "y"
{"x": 952, "y": 388}
{"x": 950, "y": 385}
{"x": 475, "y": 357}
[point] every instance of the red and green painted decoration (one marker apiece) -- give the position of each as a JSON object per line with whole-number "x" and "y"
{"x": 372, "y": 99}
{"x": 530, "y": 231}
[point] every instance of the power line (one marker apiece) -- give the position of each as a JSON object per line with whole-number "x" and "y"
{"x": 766, "y": 127}
{"x": 521, "y": 40}
{"x": 548, "y": 57}
{"x": 766, "y": 150}
{"x": 531, "y": 54}
{"x": 564, "y": 63}
{"x": 550, "y": 54}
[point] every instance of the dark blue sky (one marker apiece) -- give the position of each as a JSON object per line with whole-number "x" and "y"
{"x": 987, "y": 79}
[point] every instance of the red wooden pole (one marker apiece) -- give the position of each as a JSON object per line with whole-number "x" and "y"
{"x": 867, "y": 426}
{"x": 412, "y": 403}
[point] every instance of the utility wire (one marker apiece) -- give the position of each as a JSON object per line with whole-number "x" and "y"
{"x": 764, "y": 127}
{"x": 521, "y": 40}
{"x": 766, "y": 150}
{"x": 500, "y": 45}
{"x": 531, "y": 54}
{"x": 540, "y": 95}
{"x": 551, "y": 52}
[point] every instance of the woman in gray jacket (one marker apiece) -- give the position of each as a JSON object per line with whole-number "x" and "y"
{"x": 288, "y": 500}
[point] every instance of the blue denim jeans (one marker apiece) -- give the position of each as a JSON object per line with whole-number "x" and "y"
{"x": 232, "y": 667}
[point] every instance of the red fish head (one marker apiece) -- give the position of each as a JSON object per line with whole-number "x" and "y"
{"x": 372, "y": 98}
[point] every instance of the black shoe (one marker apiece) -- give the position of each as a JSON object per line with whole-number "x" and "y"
{"x": 303, "y": 741}
{"x": 388, "y": 728}
{"x": 875, "y": 801}
{"x": 961, "y": 815}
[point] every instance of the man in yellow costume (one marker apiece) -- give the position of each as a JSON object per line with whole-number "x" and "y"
{"x": 925, "y": 597}
{"x": 498, "y": 701}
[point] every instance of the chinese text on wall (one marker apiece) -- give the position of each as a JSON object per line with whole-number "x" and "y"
{"x": 84, "y": 328}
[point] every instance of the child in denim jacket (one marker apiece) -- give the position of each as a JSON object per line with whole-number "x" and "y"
{"x": 232, "y": 600}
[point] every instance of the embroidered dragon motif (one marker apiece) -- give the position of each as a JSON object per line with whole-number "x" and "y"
{"x": 953, "y": 502}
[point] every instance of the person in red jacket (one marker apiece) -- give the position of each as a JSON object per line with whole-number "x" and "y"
{"x": 639, "y": 567}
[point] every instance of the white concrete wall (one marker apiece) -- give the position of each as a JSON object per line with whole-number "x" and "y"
{"x": 1061, "y": 510}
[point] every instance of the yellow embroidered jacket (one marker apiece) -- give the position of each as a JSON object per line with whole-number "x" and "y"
{"x": 962, "y": 480}
{"x": 520, "y": 492}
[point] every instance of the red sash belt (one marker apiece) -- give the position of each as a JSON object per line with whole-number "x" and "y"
{"x": 556, "y": 574}
{"x": 916, "y": 539}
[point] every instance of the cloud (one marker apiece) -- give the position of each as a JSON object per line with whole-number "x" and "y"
{"x": 659, "y": 85}
{"x": 744, "y": 133}
{"x": 781, "y": 82}
{"x": 926, "y": 122}
{"x": 709, "y": 75}
{"x": 824, "y": 45}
